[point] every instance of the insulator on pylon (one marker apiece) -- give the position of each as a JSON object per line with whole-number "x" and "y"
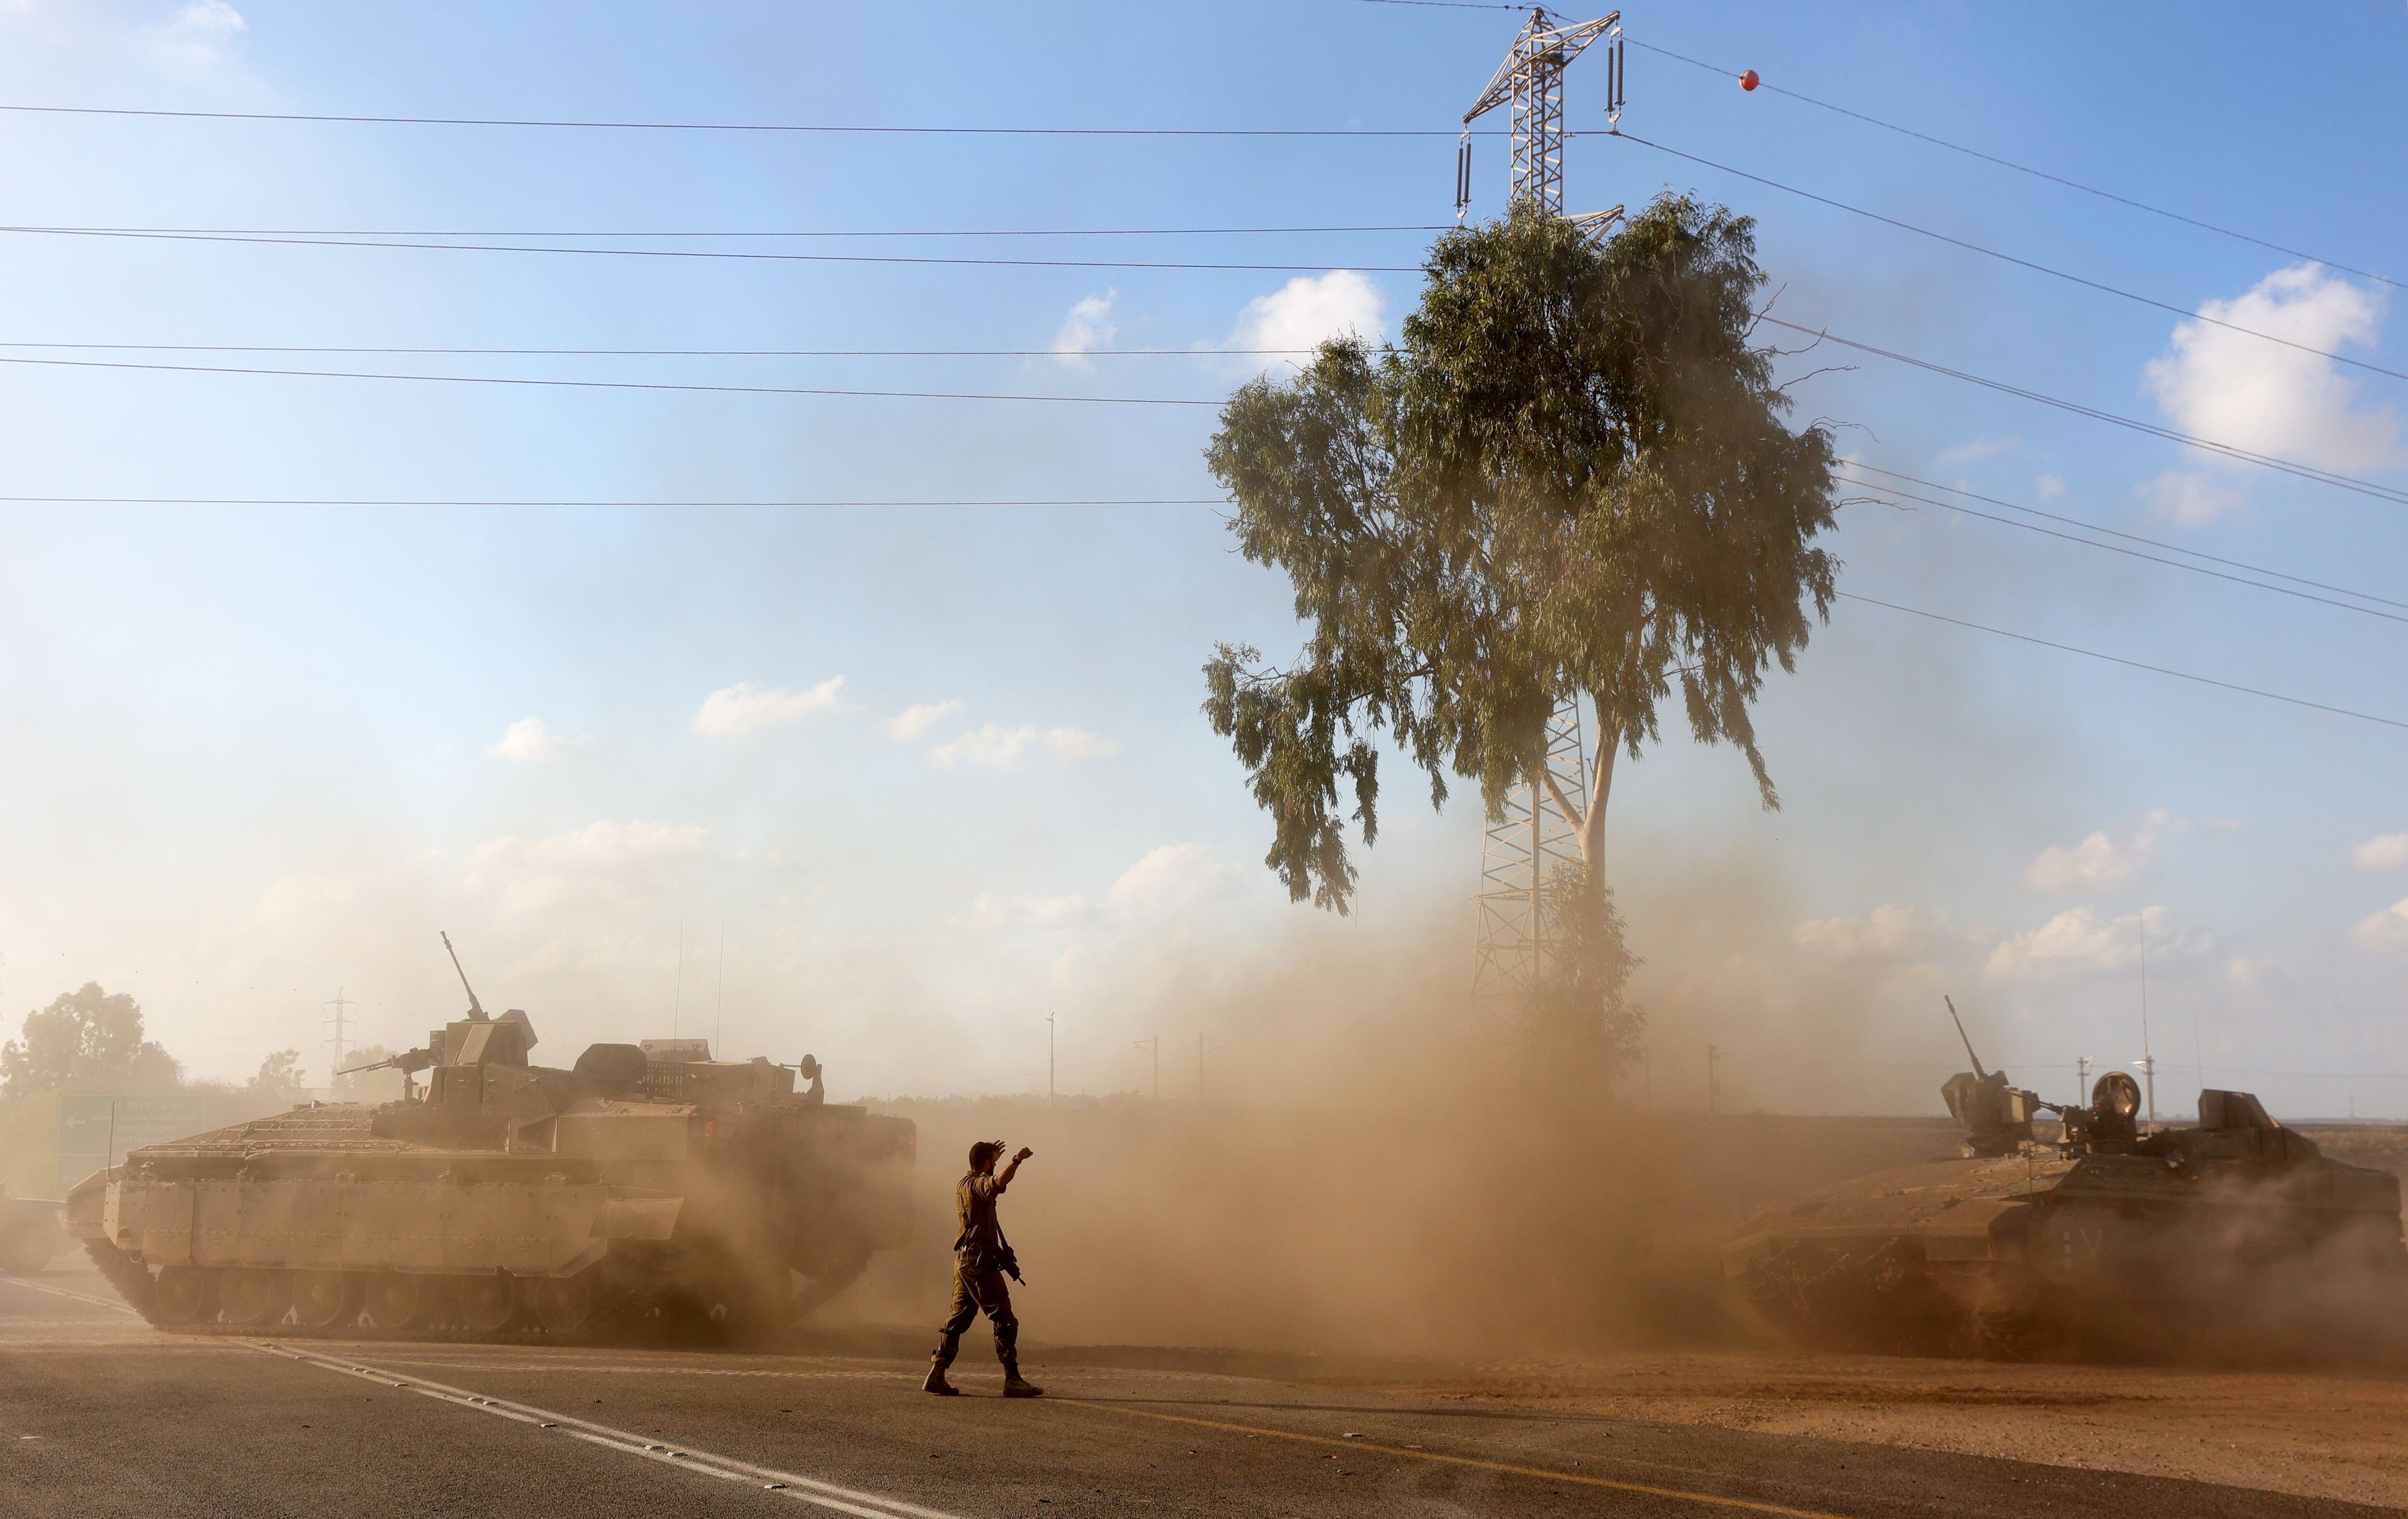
{"x": 1462, "y": 176}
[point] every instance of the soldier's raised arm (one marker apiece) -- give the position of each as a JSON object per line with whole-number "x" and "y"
{"x": 1004, "y": 1178}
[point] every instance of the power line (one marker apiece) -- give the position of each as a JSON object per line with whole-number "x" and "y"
{"x": 2287, "y": 466}
{"x": 2026, "y": 168}
{"x": 595, "y": 384}
{"x": 715, "y": 253}
{"x": 2129, "y": 663}
{"x": 2346, "y": 482}
{"x": 2128, "y": 538}
{"x": 2184, "y": 313}
{"x": 994, "y": 232}
{"x": 2154, "y": 559}
{"x": 459, "y": 501}
{"x": 686, "y": 352}
{"x": 773, "y": 127}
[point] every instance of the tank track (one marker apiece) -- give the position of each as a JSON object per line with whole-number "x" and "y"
{"x": 622, "y": 1324}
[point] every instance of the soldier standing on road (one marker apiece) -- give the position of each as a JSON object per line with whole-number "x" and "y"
{"x": 982, "y": 1258}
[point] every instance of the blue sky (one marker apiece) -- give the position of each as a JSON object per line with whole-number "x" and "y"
{"x": 252, "y": 754}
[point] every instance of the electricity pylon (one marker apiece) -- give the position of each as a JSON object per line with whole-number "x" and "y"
{"x": 1512, "y": 944}
{"x": 341, "y": 1024}
{"x": 1532, "y": 78}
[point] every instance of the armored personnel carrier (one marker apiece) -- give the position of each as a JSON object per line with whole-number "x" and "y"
{"x": 645, "y": 1182}
{"x": 2102, "y": 1234}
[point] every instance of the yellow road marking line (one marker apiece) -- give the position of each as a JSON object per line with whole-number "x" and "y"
{"x": 1546, "y": 1473}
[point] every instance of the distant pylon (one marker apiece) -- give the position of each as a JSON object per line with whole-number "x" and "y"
{"x": 341, "y": 1039}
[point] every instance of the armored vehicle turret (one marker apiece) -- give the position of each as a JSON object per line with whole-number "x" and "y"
{"x": 647, "y": 1180}
{"x": 2106, "y": 1231}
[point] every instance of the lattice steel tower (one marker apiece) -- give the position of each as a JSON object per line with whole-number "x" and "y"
{"x": 1512, "y": 942}
{"x": 1532, "y": 78}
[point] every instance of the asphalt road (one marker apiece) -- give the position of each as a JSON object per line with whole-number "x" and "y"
{"x": 100, "y": 1418}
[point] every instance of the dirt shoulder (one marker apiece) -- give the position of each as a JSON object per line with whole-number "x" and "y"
{"x": 2322, "y": 1436}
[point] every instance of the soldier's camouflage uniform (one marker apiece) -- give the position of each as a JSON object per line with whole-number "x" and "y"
{"x": 978, "y": 1257}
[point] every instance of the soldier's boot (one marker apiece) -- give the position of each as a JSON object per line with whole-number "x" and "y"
{"x": 1016, "y": 1385}
{"x": 936, "y": 1364}
{"x": 1007, "y": 1350}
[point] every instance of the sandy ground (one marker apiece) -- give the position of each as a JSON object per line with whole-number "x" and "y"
{"x": 2321, "y": 1436}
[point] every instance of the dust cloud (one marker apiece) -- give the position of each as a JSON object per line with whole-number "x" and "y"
{"x": 1461, "y": 1226}
{"x": 1378, "y": 1170}
{"x": 1397, "y": 1180}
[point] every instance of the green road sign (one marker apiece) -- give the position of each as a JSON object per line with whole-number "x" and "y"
{"x": 97, "y": 1129}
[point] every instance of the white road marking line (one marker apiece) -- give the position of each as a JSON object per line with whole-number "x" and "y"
{"x": 623, "y": 1368}
{"x": 813, "y": 1490}
{"x": 111, "y": 1304}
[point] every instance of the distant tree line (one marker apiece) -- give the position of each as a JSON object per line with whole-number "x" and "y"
{"x": 94, "y": 1039}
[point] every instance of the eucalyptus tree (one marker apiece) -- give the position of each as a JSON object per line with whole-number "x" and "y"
{"x": 1572, "y": 480}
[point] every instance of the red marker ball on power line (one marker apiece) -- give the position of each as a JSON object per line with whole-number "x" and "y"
{"x": 1748, "y": 81}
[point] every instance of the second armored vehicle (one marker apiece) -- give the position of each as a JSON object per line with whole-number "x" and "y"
{"x": 2104, "y": 1235}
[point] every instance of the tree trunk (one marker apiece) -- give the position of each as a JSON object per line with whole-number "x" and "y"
{"x": 1589, "y": 826}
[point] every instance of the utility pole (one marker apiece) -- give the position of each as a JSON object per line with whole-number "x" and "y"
{"x": 1202, "y": 1049}
{"x": 2148, "y": 1061}
{"x": 1511, "y": 941}
{"x": 2082, "y": 1078}
{"x": 677, "y": 999}
{"x": 1714, "y": 1082}
{"x": 1153, "y": 1044}
{"x": 1048, "y": 1058}
{"x": 719, "y": 996}
{"x": 340, "y": 1023}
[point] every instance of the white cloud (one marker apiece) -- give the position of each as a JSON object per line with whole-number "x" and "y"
{"x": 2190, "y": 497}
{"x": 745, "y": 707}
{"x": 1085, "y": 330}
{"x": 2098, "y": 864}
{"x": 992, "y": 912}
{"x": 529, "y": 742}
{"x": 1069, "y": 744}
{"x": 2079, "y": 942}
{"x": 603, "y": 863}
{"x": 207, "y": 24}
{"x": 2113, "y": 857}
{"x": 1307, "y": 310}
{"x": 1981, "y": 448}
{"x": 2050, "y": 487}
{"x": 307, "y": 897}
{"x": 1175, "y": 877}
{"x": 2238, "y": 389}
{"x": 913, "y": 723}
{"x": 987, "y": 745}
{"x": 2384, "y": 851}
{"x": 991, "y": 746}
{"x": 2385, "y": 930}
{"x": 1889, "y": 932}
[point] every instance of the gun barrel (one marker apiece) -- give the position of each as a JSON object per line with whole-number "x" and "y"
{"x": 1978, "y": 1071}
{"x": 474, "y": 1006}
